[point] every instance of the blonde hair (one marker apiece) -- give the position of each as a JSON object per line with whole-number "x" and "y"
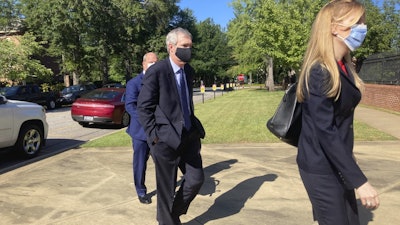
{"x": 320, "y": 46}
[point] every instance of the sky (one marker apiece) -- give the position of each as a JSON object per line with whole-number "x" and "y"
{"x": 219, "y": 10}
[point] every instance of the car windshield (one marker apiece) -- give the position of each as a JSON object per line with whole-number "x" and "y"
{"x": 3, "y": 90}
{"x": 101, "y": 94}
{"x": 70, "y": 89}
{"x": 8, "y": 91}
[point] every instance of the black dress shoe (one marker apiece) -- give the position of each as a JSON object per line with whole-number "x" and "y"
{"x": 145, "y": 199}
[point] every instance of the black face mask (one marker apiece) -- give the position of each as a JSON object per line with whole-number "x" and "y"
{"x": 184, "y": 54}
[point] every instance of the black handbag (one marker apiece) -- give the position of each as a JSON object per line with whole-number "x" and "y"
{"x": 286, "y": 122}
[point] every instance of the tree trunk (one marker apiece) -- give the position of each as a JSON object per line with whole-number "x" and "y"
{"x": 269, "y": 82}
{"x": 75, "y": 78}
{"x": 67, "y": 83}
{"x": 104, "y": 65}
{"x": 128, "y": 70}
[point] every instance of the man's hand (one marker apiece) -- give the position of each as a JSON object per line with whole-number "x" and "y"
{"x": 368, "y": 196}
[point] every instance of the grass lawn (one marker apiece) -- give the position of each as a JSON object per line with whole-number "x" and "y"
{"x": 239, "y": 117}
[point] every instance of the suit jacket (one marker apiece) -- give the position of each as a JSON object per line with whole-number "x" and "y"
{"x": 135, "y": 129}
{"x": 159, "y": 105}
{"x": 327, "y": 138}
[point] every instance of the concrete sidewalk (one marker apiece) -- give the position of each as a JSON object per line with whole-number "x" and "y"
{"x": 245, "y": 184}
{"x": 381, "y": 120}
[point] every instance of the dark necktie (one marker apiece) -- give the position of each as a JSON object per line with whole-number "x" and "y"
{"x": 184, "y": 102}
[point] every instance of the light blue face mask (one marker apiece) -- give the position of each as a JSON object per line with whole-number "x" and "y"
{"x": 356, "y": 36}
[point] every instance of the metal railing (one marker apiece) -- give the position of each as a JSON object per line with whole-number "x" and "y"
{"x": 382, "y": 68}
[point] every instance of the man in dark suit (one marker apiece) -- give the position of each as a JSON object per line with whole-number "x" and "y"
{"x": 140, "y": 148}
{"x": 166, "y": 111}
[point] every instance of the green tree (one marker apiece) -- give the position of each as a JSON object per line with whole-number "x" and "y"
{"x": 95, "y": 37}
{"x": 391, "y": 9}
{"x": 104, "y": 33}
{"x": 383, "y": 29}
{"x": 241, "y": 39}
{"x": 211, "y": 52}
{"x": 62, "y": 25}
{"x": 16, "y": 62}
{"x": 162, "y": 17}
{"x": 266, "y": 29}
{"x": 280, "y": 29}
{"x": 145, "y": 24}
{"x": 9, "y": 15}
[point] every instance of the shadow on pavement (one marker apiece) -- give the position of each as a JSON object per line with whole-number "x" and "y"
{"x": 10, "y": 160}
{"x": 232, "y": 201}
{"x": 210, "y": 183}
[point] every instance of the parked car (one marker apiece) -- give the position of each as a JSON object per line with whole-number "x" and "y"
{"x": 69, "y": 94}
{"x": 101, "y": 106}
{"x": 23, "y": 126}
{"x": 31, "y": 93}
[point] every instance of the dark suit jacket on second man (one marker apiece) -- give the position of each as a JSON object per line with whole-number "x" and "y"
{"x": 134, "y": 129}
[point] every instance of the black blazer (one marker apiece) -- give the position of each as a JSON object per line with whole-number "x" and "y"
{"x": 159, "y": 109}
{"x": 327, "y": 137}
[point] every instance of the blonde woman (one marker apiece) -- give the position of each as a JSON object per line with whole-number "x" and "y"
{"x": 329, "y": 90}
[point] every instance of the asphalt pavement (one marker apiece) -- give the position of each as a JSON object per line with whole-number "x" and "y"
{"x": 246, "y": 184}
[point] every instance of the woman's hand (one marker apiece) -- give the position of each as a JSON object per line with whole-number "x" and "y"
{"x": 368, "y": 196}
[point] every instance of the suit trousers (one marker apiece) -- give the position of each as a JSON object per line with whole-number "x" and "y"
{"x": 141, "y": 153}
{"x": 333, "y": 203}
{"x": 171, "y": 205}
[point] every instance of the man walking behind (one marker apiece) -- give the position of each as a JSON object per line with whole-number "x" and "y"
{"x": 140, "y": 148}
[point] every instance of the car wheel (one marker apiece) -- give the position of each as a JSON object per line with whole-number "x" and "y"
{"x": 51, "y": 104}
{"x": 30, "y": 140}
{"x": 125, "y": 119}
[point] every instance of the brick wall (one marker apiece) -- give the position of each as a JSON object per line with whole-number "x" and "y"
{"x": 382, "y": 96}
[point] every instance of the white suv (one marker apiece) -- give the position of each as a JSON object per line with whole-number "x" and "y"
{"x": 23, "y": 126}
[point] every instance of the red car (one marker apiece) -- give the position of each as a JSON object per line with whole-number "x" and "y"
{"x": 101, "y": 106}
